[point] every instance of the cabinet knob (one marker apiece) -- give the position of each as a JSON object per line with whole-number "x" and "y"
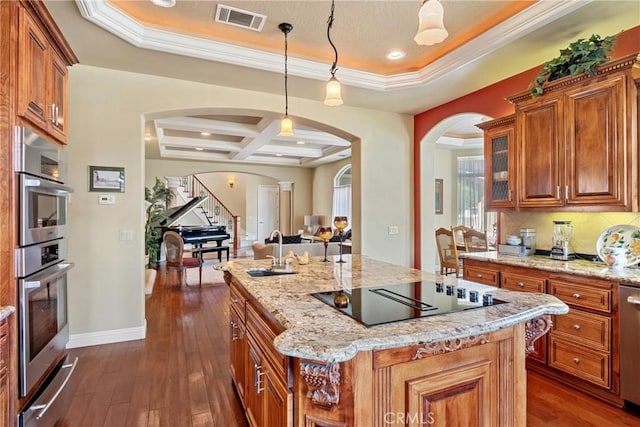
{"x": 234, "y": 301}
{"x": 576, "y": 360}
{"x": 576, "y": 296}
{"x": 521, "y": 284}
{"x": 479, "y": 275}
{"x": 576, "y": 327}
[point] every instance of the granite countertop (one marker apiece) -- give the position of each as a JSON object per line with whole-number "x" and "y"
{"x": 6, "y": 311}
{"x": 314, "y": 330}
{"x": 585, "y": 268}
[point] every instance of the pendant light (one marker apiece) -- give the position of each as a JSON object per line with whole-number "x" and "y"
{"x": 333, "y": 95}
{"x": 286, "y": 125}
{"x": 431, "y": 27}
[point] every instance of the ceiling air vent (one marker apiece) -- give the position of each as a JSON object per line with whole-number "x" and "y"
{"x": 239, "y": 18}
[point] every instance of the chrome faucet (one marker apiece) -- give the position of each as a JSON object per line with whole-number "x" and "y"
{"x": 277, "y": 262}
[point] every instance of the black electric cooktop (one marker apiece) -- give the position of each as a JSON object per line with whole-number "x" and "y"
{"x": 405, "y": 301}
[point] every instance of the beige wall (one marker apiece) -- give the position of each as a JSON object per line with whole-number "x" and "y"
{"x": 107, "y": 111}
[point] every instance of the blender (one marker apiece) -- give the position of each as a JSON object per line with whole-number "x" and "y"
{"x": 561, "y": 249}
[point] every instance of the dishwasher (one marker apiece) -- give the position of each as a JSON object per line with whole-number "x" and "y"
{"x": 629, "y": 343}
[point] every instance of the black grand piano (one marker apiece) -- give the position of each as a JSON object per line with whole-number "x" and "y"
{"x": 197, "y": 235}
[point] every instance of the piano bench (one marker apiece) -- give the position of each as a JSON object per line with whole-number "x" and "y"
{"x": 219, "y": 249}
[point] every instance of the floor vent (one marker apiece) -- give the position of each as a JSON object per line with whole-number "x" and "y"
{"x": 240, "y": 18}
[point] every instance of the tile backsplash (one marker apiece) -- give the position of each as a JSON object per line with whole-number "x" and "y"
{"x": 587, "y": 227}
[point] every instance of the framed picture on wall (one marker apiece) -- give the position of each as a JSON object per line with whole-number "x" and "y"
{"x": 439, "y": 184}
{"x": 106, "y": 179}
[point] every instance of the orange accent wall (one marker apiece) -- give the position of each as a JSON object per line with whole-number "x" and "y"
{"x": 490, "y": 101}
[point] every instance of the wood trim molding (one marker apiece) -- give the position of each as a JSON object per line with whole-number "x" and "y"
{"x": 446, "y": 346}
{"x": 510, "y": 119}
{"x": 536, "y": 328}
{"x": 323, "y": 382}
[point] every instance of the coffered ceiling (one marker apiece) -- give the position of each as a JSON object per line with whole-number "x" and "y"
{"x": 488, "y": 41}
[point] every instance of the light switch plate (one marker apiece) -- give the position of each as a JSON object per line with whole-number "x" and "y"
{"x": 393, "y": 229}
{"x": 126, "y": 235}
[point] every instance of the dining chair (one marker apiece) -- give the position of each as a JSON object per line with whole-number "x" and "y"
{"x": 475, "y": 241}
{"x": 448, "y": 252}
{"x": 174, "y": 252}
{"x": 458, "y": 235}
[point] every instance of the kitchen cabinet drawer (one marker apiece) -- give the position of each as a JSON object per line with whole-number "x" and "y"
{"x": 582, "y": 296}
{"x": 590, "y": 365}
{"x": 480, "y": 275}
{"x": 516, "y": 282}
{"x": 237, "y": 300}
{"x": 584, "y": 328}
{"x": 264, "y": 335}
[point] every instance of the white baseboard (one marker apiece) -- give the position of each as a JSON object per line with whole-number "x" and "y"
{"x": 107, "y": 337}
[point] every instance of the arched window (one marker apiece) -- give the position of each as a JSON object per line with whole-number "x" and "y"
{"x": 342, "y": 193}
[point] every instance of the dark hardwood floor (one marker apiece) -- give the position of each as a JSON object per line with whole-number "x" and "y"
{"x": 179, "y": 375}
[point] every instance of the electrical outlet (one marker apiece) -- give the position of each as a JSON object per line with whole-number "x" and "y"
{"x": 126, "y": 235}
{"x": 393, "y": 229}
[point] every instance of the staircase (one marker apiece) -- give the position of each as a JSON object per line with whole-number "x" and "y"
{"x": 212, "y": 211}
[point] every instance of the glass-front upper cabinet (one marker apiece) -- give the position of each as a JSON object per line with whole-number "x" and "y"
{"x": 499, "y": 157}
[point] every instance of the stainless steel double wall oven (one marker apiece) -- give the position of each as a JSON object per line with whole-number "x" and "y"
{"x": 41, "y": 270}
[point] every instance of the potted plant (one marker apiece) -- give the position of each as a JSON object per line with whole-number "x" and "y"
{"x": 156, "y": 199}
{"x": 581, "y": 56}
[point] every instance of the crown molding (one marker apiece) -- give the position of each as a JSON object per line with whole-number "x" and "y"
{"x": 106, "y": 16}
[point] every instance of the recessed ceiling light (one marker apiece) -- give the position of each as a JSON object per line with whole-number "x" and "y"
{"x": 279, "y": 155}
{"x": 300, "y": 142}
{"x": 205, "y": 133}
{"x": 164, "y": 3}
{"x": 199, "y": 148}
{"x": 395, "y": 54}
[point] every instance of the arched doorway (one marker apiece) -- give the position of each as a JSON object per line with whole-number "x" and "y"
{"x": 429, "y": 163}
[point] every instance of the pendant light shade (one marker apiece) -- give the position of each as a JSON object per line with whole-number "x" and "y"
{"x": 431, "y": 27}
{"x": 333, "y": 95}
{"x": 286, "y": 125}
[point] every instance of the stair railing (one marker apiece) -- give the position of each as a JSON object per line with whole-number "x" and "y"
{"x": 213, "y": 209}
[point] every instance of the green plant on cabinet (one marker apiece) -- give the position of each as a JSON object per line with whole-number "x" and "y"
{"x": 581, "y": 56}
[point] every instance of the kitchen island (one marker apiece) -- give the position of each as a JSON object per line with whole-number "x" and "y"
{"x": 296, "y": 360}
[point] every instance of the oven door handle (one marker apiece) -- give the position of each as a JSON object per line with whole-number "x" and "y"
{"x": 45, "y": 407}
{"x": 47, "y": 275}
{"x": 51, "y": 186}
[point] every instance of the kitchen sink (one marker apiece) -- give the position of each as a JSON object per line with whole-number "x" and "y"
{"x": 262, "y": 272}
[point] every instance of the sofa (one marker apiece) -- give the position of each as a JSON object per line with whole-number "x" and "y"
{"x": 261, "y": 250}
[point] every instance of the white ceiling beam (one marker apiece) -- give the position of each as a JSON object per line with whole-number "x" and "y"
{"x": 207, "y": 144}
{"x": 268, "y": 132}
{"x": 194, "y": 124}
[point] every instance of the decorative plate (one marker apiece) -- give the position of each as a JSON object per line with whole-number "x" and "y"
{"x": 621, "y": 236}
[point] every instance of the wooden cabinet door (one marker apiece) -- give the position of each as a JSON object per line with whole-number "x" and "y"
{"x": 278, "y": 402}
{"x": 238, "y": 353}
{"x": 596, "y": 147}
{"x": 33, "y": 64}
{"x": 500, "y": 165}
{"x": 540, "y": 155}
{"x": 450, "y": 389}
{"x": 254, "y": 383}
{"x": 57, "y": 96}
